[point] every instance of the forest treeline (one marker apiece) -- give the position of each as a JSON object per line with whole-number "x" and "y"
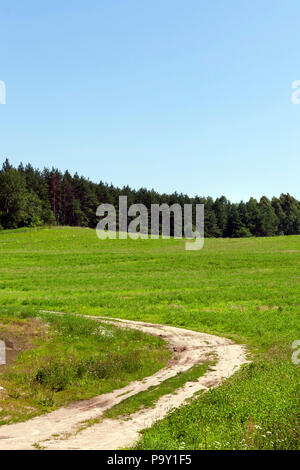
{"x": 30, "y": 198}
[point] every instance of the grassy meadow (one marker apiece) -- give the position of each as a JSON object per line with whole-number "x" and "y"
{"x": 244, "y": 289}
{"x": 64, "y": 358}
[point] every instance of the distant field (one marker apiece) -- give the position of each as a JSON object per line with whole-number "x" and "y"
{"x": 245, "y": 289}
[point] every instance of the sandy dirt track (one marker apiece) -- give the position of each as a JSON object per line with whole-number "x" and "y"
{"x": 60, "y": 429}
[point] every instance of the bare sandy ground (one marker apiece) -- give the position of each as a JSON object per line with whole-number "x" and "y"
{"x": 60, "y": 429}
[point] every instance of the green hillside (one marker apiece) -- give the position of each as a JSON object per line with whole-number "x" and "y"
{"x": 245, "y": 289}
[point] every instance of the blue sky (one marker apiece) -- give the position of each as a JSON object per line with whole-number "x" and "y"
{"x": 192, "y": 96}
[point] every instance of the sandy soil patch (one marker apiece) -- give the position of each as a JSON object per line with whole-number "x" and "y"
{"x": 60, "y": 429}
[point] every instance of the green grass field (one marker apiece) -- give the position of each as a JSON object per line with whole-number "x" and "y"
{"x": 65, "y": 358}
{"x": 244, "y": 289}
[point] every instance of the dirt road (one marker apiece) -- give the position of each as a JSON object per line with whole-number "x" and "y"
{"x": 60, "y": 429}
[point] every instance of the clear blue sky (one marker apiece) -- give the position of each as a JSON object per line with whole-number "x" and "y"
{"x": 192, "y": 95}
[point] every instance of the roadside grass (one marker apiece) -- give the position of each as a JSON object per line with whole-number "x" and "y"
{"x": 244, "y": 289}
{"x": 65, "y": 358}
{"x": 149, "y": 397}
{"x": 256, "y": 409}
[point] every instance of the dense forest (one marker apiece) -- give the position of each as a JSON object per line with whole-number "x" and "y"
{"x": 31, "y": 198}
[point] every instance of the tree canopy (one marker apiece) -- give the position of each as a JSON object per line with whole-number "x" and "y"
{"x": 30, "y": 197}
